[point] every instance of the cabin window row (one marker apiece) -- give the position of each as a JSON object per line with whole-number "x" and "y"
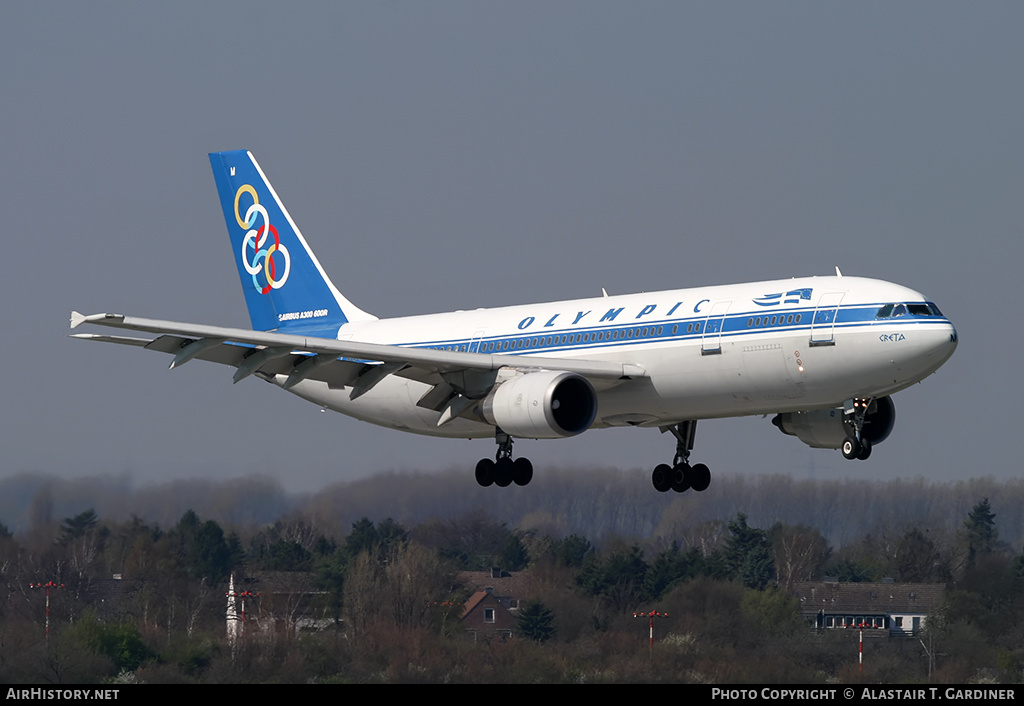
{"x": 613, "y": 335}
{"x": 778, "y": 320}
{"x": 573, "y": 338}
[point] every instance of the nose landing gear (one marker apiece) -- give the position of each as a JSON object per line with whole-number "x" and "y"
{"x": 856, "y": 445}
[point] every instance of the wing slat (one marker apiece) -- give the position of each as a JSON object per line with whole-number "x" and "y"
{"x": 422, "y": 358}
{"x": 343, "y": 364}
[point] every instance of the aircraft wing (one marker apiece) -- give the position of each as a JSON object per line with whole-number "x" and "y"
{"x": 341, "y": 364}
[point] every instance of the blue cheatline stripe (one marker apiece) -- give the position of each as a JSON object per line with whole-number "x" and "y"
{"x": 734, "y": 325}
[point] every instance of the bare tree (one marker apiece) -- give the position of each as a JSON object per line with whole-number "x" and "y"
{"x": 799, "y": 552}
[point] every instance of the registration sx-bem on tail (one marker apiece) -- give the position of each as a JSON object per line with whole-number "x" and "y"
{"x": 822, "y": 354}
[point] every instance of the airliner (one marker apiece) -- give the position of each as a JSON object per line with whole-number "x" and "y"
{"x": 824, "y": 355}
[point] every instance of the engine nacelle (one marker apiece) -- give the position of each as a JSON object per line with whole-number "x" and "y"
{"x": 825, "y": 428}
{"x": 542, "y": 405}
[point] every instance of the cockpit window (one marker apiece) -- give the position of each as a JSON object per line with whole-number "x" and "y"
{"x": 893, "y": 310}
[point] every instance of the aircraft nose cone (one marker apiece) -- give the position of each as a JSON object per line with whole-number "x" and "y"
{"x": 931, "y": 349}
{"x": 942, "y": 343}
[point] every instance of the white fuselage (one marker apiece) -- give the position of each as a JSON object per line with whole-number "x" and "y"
{"x": 723, "y": 351}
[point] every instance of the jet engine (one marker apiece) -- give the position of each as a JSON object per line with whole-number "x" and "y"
{"x": 542, "y": 405}
{"x": 826, "y": 429}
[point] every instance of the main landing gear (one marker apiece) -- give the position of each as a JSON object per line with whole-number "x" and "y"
{"x": 503, "y": 471}
{"x": 856, "y": 445}
{"x": 681, "y": 476}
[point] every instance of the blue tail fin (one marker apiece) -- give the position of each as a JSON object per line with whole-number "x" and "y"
{"x": 285, "y": 286}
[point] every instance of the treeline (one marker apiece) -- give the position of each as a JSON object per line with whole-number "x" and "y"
{"x": 601, "y": 504}
{"x": 382, "y": 602}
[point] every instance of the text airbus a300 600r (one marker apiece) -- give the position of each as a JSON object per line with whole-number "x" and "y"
{"x": 823, "y": 354}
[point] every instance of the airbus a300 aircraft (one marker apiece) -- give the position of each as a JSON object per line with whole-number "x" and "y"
{"x": 823, "y": 354}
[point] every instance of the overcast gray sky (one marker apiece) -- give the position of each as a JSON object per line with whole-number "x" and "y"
{"x": 447, "y": 155}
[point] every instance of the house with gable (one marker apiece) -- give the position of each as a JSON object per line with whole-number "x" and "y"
{"x": 492, "y": 609}
{"x": 484, "y": 616}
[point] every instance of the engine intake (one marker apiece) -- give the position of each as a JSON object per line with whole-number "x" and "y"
{"x": 826, "y": 429}
{"x": 542, "y": 405}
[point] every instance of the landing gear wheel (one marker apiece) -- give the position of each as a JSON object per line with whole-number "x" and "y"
{"x": 485, "y": 472}
{"x": 857, "y": 445}
{"x": 681, "y": 478}
{"x": 700, "y": 477}
{"x": 503, "y": 472}
{"x": 522, "y": 471}
{"x": 662, "y": 478}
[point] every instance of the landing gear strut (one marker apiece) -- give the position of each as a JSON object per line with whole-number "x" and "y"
{"x": 856, "y": 445}
{"x": 681, "y": 476}
{"x": 503, "y": 471}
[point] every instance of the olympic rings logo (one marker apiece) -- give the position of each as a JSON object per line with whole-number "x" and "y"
{"x": 255, "y": 240}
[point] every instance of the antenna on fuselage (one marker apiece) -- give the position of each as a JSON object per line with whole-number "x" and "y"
{"x": 838, "y": 272}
